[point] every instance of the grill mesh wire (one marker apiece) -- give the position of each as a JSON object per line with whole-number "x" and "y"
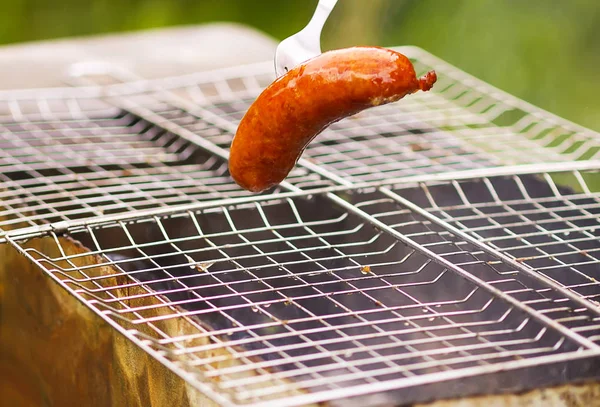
{"x": 401, "y": 248}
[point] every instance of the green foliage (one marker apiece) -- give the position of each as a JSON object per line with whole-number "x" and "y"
{"x": 544, "y": 51}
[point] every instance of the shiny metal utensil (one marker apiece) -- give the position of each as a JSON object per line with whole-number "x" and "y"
{"x": 306, "y": 43}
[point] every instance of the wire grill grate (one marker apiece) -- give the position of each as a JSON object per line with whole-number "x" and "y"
{"x": 444, "y": 237}
{"x": 534, "y": 220}
{"x": 61, "y": 170}
{"x": 313, "y": 295}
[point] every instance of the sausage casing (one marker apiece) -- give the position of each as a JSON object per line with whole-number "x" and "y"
{"x": 296, "y": 107}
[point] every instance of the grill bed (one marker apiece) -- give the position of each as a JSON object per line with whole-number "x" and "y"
{"x": 445, "y": 245}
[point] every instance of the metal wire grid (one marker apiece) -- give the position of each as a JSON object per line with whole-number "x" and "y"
{"x": 68, "y": 154}
{"x": 68, "y": 166}
{"x": 325, "y": 300}
{"x": 299, "y": 298}
{"x": 449, "y": 127}
{"x": 535, "y": 222}
{"x": 529, "y": 221}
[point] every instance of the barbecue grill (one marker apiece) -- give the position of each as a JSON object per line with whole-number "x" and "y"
{"x": 442, "y": 246}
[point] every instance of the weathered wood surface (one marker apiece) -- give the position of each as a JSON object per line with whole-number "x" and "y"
{"x": 54, "y": 351}
{"x": 584, "y": 395}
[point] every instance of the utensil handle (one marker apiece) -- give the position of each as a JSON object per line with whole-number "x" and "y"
{"x": 320, "y": 15}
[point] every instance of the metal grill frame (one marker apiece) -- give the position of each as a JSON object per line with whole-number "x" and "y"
{"x": 332, "y": 182}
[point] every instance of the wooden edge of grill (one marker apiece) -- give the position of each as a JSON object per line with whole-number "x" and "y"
{"x": 55, "y": 349}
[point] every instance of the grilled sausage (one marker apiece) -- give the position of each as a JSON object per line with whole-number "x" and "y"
{"x": 296, "y": 107}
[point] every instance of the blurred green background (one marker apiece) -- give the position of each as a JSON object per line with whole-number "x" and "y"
{"x": 544, "y": 51}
